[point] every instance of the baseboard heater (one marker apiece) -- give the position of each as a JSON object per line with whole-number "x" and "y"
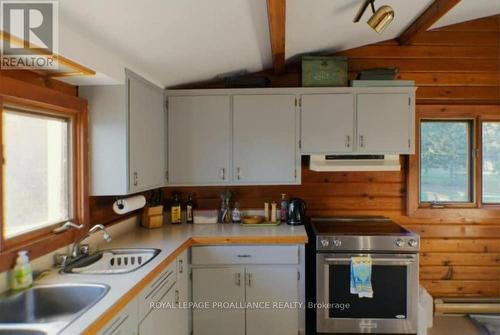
{"x": 443, "y": 306}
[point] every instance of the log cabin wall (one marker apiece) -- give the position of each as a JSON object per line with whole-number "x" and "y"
{"x": 454, "y": 65}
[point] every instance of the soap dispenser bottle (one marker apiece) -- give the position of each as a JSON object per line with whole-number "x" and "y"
{"x": 22, "y": 276}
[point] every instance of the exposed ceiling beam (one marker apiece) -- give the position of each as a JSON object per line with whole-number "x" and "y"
{"x": 430, "y": 16}
{"x": 276, "y": 15}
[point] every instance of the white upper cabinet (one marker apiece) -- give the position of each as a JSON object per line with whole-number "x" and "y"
{"x": 251, "y": 136}
{"x": 199, "y": 145}
{"x": 127, "y": 140}
{"x": 327, "y": 123}
{"x": 146, "y": 135}
{"x": 385, "y": 123}
{"x": 264, "y": 139}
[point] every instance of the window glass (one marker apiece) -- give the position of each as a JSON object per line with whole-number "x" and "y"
{"x": 445, "y": 169}
{"x": 36, "y": 171}
{"x": 491, "y": 162}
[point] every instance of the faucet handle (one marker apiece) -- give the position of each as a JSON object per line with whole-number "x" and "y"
{"x": 61, "y": 260}
{"x": 84, "y": 249}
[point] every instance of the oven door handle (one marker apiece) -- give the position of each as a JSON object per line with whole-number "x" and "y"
{"x": 404, "y": 260}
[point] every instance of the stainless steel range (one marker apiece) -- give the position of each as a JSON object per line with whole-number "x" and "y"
{"x": 394, "y": 276}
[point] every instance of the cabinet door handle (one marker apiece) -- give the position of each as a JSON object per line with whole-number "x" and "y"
{"x": 361, "y": 141}
{"x": 347, "y": 141}
{"x": 223, "y": 173}
{"x": 181, "y": 266}
{"x": 177, "y": 297}
{"x": 249, "y": 279}
{"x": 136, "y": 177}
{"x": 237, "y": 279}
{"x": 244, "y": 256}
{"x": 238, "y": 175}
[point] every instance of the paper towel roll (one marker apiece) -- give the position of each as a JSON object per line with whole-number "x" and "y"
{"x": 123, "y": 206}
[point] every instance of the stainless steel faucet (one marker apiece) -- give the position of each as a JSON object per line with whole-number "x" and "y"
{"x": 77, "y": 246}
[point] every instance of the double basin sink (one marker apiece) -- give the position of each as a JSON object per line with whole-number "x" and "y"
{"x": 47, "y": 309}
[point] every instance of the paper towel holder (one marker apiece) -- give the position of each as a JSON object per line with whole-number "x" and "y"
{"x": 120, "y": 203}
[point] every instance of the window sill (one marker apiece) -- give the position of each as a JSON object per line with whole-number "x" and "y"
{"x": 458, "y": 213}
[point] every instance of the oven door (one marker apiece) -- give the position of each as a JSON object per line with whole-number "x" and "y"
{"x": 393, "y": 308}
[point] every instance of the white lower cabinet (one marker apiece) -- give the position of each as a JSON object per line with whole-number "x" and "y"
{"x": 218, "y": 285}
{"x": 163, "y": 318}
{"x": 160, "y": 302}
{"x": 125, "y": 323}
{"x": 260, "y": 298}
{"x": 277, "y": 286}
{"x": 183, "y": 293}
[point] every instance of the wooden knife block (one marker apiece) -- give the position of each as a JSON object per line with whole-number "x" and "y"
{"x": 152, "y": 217}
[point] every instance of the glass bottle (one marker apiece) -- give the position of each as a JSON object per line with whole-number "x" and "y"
{"x": 283, "y": 208}
{"x": 236, "y": 214}
{"x": 189, "y": 209}
{"x": 175, "y": 210}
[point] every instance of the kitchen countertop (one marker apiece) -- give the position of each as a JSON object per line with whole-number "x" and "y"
{"x": 172, "y": 240}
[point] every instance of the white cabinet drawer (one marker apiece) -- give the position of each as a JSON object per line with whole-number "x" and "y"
{"x": 156, "y": 289}
{"x": 249, "y": 254}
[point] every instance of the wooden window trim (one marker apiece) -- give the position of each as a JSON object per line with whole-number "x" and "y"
{"x": 476, "y": 210}
{"x": 25, "y": 95}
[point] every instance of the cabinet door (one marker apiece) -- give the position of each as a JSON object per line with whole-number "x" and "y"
{"x": 274, "y": 285}
{"x": 183, "y": 296}
{"x": 199, "y": 133}
{"x": 384, "y": 123}
{"x": 146, "y": 135}
{"x": 162, "y": 318}
{"x": 215, "y": 285}
{"x": 265, "y": 142}
{"x": 327, "y": 123}
{"x": 125, "y": 323}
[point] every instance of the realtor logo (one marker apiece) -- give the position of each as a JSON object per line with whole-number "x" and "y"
{"x": 29, "y": 34}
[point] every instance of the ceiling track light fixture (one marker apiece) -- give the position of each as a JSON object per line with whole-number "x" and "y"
{"x": 381, "y": 17}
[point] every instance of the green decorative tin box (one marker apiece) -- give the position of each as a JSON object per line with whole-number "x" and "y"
{"x": 324, "y": 71}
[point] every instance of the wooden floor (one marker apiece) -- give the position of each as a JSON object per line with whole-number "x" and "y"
{"x": 453, "y": 325}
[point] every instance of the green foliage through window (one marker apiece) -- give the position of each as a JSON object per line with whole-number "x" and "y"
{"x": 445, "y": 154}
{"x": 491, "y": 162}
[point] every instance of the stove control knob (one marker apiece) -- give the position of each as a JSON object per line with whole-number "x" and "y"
{"x": 399, "y": 242}
{"x": 325, "y": 243}
{"x": 412, "y": 243}
{"x": 337, "y": 243}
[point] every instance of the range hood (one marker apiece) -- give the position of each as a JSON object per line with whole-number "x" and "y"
{"x": 354, "y": 163}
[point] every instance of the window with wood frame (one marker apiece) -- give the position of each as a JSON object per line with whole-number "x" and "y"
{"x": 455, "y": 172}
{"x": 490, "y": 165}
{"x": 43, "y": 134}
{"x": 446, "y": 161}
{"x": 37, "y": 170}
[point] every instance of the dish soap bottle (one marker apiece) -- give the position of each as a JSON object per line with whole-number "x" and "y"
{"x": 21, "y": 276}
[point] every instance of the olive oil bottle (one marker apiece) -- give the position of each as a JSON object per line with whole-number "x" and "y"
{"x": 175, "y": 210}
